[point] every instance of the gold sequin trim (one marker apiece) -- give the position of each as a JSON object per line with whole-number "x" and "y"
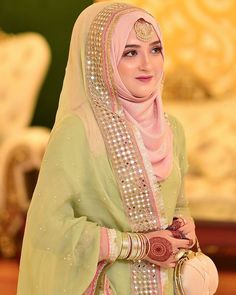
{"x": 127, "y": 162}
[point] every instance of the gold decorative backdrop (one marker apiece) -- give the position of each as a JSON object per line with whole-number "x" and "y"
{"x": 199, "y": 35}
{"x": 200, "y": 89}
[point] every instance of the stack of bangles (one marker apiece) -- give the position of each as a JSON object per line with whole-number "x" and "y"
{"x": 134, "y": 246}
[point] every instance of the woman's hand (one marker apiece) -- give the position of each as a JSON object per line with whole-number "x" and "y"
{"x": 164, "y": 247}
{"x": 188, "y": 230}
{"x": 186, "y": 226}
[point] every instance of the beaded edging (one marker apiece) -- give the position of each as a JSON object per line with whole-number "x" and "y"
{"x": 127, "y": 162}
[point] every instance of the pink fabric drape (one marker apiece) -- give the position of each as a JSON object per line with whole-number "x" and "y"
{"x": 146, "y": 114}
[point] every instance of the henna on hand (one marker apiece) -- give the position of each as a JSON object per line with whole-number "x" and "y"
{"x": 160, "y": 249}
{"x": 174, "y": 228}
{"x": 177, "y": 234}
{"x": 176, "y": 224}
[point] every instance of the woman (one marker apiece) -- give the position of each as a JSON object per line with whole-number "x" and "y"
{"x": 108, "y": 215}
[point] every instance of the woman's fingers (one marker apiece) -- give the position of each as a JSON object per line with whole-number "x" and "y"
{"x": 188, "y": 232}
{"x": 187, "y": 228}
{"x": 172, "y": 264}
{"x": 191, "y": 242}
{"x": 169, "y": 263}
{"x": 188, "y": 237}
{"x": 180, "y": 243}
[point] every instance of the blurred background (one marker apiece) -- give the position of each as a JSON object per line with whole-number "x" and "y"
{"x": 200, "y": 89}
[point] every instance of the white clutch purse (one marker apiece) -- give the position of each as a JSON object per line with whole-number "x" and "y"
{"x": 195, "y": 274}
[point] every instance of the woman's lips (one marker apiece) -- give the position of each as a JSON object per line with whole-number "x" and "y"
{"x": 144, "y": 78}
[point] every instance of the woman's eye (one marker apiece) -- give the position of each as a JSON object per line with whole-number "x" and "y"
{"x": 157, "y": 50}
{"x": 130, "y": 53}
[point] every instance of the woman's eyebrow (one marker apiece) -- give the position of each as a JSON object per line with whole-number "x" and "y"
{"x": 132, "y": 46}
{"x": 155, "y": 43}
{"x": 138, "y": 46}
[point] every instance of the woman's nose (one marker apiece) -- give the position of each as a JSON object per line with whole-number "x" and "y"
{"x": 145, "y": 62}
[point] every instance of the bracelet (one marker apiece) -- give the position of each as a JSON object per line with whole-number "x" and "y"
{"x": 125, "y": 246}
{"x": 135, "y": 246}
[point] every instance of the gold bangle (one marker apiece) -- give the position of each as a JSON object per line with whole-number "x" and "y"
{"x": 144, "y": 246}
{"x": 136, "y": 247}
{"x": 125, "y": 247}
{"x": 147, "y": 246}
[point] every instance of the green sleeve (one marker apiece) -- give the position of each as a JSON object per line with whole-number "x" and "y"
{"x": 61, "y": 248}
{"x": 182, "y": 207}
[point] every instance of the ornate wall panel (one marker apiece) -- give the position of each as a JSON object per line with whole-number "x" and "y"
{"x": 199, "y": 35}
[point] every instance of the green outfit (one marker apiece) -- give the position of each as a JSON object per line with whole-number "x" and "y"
{"x": 75, "y": 194}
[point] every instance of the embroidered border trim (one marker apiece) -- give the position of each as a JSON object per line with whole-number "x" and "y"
{"x": 135, "y": 185}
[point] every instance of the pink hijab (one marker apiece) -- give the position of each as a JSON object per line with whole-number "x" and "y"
{"x": 147, "y": 115}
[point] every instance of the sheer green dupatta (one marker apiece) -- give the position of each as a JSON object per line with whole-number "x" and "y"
{"x": 62, "y": 237}
{"x": 60, "y": 249}
{"x": 182, "y": 206}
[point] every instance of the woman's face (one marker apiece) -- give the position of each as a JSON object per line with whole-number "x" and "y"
{"x": 141, "y": 65}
